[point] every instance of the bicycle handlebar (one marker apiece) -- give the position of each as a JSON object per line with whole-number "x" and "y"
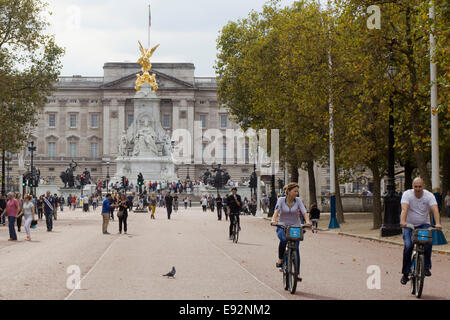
{"x": 283, "y": 225}
{"x": 412, "y": 227}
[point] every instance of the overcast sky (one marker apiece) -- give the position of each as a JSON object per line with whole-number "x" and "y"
{"x": 98, "y": 31}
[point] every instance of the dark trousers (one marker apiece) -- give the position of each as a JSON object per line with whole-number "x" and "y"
{"x": 219, "y": 213}
{"x": 204, "y": 208}
{"x": 12, "y": 228}
{"x": 49, "y": 221}
{"x": 232, "y": 217}
{"x": 123, "y": 220}
{"x": 3, "y": 219}
{"x": 169, "y": 211}
{"x": 226, "y": 212}
{"x": 408, "y": 249}
{"x": 111, "y": 213}
{"x": 19, "y": 223}
{"x": 40, "y": 214}
{"x": 212, "y": 208}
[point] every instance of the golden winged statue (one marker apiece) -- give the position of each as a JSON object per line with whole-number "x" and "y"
{"x": 144, "y": 61}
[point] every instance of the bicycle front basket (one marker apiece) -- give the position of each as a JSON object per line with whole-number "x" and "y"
{"x": 294, "y": 233}
{"x": 422, "y": 236}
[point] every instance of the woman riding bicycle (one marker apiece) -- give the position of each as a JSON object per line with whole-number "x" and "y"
{"x": 290, "y": 208}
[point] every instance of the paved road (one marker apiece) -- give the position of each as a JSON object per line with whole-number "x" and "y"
{"x": 209, "y": 266}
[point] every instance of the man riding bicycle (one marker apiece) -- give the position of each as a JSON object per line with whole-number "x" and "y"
{"x": 290, "y": 208}
{"x": 234, "y": 206}
{"x": 416, "y": 204}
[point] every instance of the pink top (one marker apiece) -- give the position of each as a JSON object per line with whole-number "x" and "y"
{"x": 12, "y": 207}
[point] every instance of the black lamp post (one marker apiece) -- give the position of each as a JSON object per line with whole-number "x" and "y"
{"x": 273, "y": 196}
{"x": 107, "y": 177}
{"x": 32, "y": 149}
{"x": 392, "y": 207}
{"x": 8, "y": 158}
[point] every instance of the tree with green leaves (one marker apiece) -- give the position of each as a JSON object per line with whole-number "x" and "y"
{"x": 29, "y": 67}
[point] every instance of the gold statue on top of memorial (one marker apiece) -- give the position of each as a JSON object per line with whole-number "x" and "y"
{"x": 144, "y": 61}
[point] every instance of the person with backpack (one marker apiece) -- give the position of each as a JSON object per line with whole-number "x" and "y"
{"x": 314, "y": 215}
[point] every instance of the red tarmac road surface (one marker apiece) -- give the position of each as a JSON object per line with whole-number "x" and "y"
{"x": 209, "y": 266}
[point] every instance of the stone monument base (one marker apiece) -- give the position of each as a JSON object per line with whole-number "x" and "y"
{"x": 152, "y": 168}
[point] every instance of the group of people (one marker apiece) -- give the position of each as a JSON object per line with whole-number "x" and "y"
{"x": 28, "y": 210}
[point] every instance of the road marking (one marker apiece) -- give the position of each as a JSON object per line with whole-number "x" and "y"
{"x": 254, "y": 277}
{"x": 99, "y": 259}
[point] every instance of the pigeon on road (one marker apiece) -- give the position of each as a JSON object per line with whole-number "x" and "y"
{"x": 171, "y": 273}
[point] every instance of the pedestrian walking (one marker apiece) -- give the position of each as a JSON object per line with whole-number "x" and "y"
{"x": 74, "y": 202}
{"x": 55, "y": 206}
{"x": 185, "y": 201}
{"x": 168, "y": 201}
{"x": 106, "y": 211}
{"x": 2, "y": 209}
{"x": 19, "y": 218}
{"x": 85, "y": 203}
{"x": 28, "y": 213}
{"x": 94, "y": 203}
{"x": 12, "y": 208}
{"x": 211, "y": 203}
{"x": 219, "y": 206}
{"x": 225, "y": 206}
{"x": 314, "y": 215}
{"x": 48, "y": 206}
{"x": 122, "y": 214}
{"x": 175, "y": 203}
{"x": 152, "y": 207}
{"x": 113, "y": 202}
{"x": 39, "y": 204}
{"x": 204, "y": 203}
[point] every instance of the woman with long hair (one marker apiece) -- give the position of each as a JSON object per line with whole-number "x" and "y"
{"x": 29, "y": 214}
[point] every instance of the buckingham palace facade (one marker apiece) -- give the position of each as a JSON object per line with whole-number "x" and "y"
{"x": 86, "y": 116}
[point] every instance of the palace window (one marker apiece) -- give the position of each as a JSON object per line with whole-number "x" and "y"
{"x": 73, "y": 149}
{"x": 130, "y": 119}
{"x": 52, "y": 149}
{"x": 166, "y": 121}
{"x": 223, "y": 121}
{"x": 94, "y": 150}
{"x": 203, "y": 120}
{"x": 73, "y": 120}
{"x": 52, "y": 120}
{"x": 94, "y": 120}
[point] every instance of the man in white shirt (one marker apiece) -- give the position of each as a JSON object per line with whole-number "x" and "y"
{"x": 416, "y": 204}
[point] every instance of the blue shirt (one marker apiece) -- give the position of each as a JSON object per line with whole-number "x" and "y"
{"x": 106, "y": 206}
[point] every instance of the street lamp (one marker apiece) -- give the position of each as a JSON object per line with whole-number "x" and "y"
{"x": 392, "y": 208}
{"x": 273, "y": 196}
{"x": 107, "y": 177}
{"x": 32, "y": 149}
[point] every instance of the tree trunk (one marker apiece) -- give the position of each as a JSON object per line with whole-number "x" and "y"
{"x": 294, "y": 173}
{"x": 408, "y": 175}
{"x": 339, "y": 208}
{"x": 376, "y": 209}
{"x": 445, "y": 178}
{"x": 312, "y": 183}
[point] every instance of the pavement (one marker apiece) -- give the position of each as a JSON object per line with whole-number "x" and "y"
{"x": 209, "y": 266}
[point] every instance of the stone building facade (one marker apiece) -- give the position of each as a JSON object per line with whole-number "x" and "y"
{"x": 86, "y": 116}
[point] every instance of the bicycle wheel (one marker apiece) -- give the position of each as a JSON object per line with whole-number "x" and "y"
{"x": 412, "y": 277}
{"x": 420, "y": 275}
{"x": 292, "y": 271}
{"x": 285, "y": 270}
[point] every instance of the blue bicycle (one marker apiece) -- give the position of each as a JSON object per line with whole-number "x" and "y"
{"x": 421, "y": 238}
{"x": 291, "y": 261}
